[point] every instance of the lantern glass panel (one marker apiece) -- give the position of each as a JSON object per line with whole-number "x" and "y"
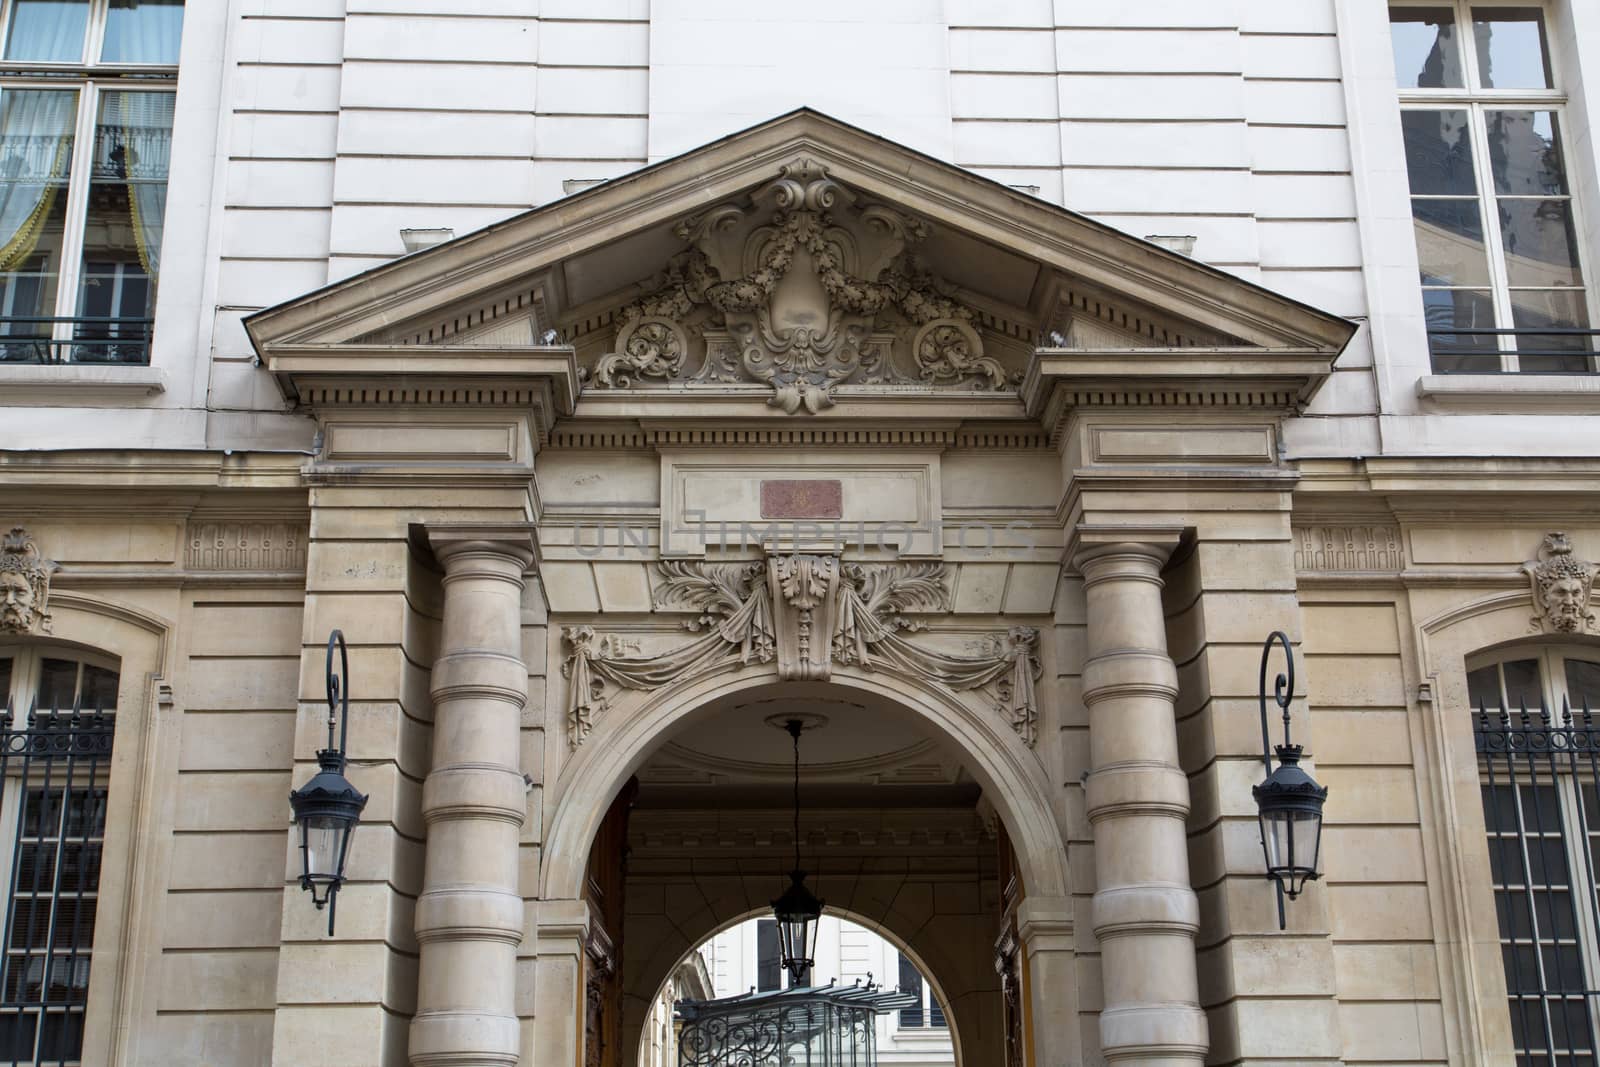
{"x": 323, "y": 837}
{"x": 1292, "y": 840}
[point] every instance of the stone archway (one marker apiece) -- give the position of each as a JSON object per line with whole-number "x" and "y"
{"x": 1011, "y": 774}
{"x": 1013, "y": 782}
{"x": 935, "y": 960}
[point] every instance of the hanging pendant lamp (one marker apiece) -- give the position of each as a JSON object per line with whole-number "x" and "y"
{"x": 798, "y": 910}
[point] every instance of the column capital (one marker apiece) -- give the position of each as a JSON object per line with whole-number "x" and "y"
{"x": 515, "y": 540}
{"x": 1091, "y": 541}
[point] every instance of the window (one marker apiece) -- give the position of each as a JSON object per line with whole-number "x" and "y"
{"x": 769, "y": 962}
{"x": 927, "y": 1014}
{"x": 86, "y": 106}
{"x": 1539, "y": 770}
{"x": 1491, "y": 202}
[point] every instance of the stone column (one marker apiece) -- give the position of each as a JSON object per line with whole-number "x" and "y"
{"x": 470, "y": 913}
{"x": 1145, "y": 911}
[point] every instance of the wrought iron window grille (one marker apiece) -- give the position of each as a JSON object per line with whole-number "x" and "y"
{"x": 38, "y": 339}
{"x": 1539, "y": 774}
{"x": 54, "y": 765}
{"x": 1543, "y": 351}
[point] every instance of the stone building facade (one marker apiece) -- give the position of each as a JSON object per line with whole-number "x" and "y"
{"x": 981, "y": 382}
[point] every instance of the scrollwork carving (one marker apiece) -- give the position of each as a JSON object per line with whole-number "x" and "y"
{"x": 647, "y": 348}
{"x": 802, "y": 289}
{"x": 806, "y": 612}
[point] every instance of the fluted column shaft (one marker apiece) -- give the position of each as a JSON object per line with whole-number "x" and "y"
{"x": 1145, "y": 911}
{"x": 470, "y": 913}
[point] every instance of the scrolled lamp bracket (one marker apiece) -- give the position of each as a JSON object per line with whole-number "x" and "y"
{"x": 328, "y": 808}
{"x": 1289, "y": 802}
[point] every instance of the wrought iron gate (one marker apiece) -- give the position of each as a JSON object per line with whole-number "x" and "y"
{"x": 1538, "y": 774}
{"x": 53, "y": 770}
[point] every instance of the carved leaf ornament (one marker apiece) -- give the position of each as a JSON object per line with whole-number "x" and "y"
{"x": 801, "y": 290}
{"x": 804, "y": 612}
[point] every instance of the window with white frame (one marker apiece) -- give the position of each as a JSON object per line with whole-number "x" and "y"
{"x": 1482, "y": 114}
{"x": 927, "y": 1014}
{"x": 86, "y": 108}
{"x": 1538, "y": 749}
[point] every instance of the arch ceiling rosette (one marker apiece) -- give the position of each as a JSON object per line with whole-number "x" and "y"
{"x": 804, "y": 267}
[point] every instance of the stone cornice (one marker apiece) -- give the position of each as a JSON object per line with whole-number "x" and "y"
{"x": 103, "y": 471}
{"x": 543, "y": 378}
{"x": 1060, "y": 380}
{"x": 1427, "y": 484}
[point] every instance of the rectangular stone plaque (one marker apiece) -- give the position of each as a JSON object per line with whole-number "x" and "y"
{"x": 796, "y": 499}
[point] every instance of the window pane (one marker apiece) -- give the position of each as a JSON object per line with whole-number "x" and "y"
{"x": 5, "y": 682}
{"x": 1540, "y": 242}
{"x": 47, "y": 31}
{"x": 1523, "y": 688}
{"x": 1438, "y": 153}
{"x": 1449, "y": 311}
{"x": 1450, "y": 246}
{"x": 35, "y": 162}
{"x": 1583, "y": 683}
{"x": 1511, "y": 48}
{"x": 122, "y": 236}
{"x": 1427, "y": 54}
{"x": 910, "y": 982}
{"x": 143, "y": 31}
{"x": 98, "y": 691}
{"x": 1533, "y": 309}
{"x": 1483, "y": 687}
{"x": 58, "y": 684}
{"x": 1525, "y": 153}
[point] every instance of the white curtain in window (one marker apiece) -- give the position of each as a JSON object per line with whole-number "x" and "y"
{"x": 35, "y": 157}
{"x": 47, "y": 31}
{"x": 143, "y": 31}
{"x": 144, "y": 121}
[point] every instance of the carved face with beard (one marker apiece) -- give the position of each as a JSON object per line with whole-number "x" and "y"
{"x": 1564, "y": 604}
{"x": 16, "y": 602}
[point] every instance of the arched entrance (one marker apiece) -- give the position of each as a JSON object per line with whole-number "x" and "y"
{"x": 912, "y": 802}
{"x": 853, "y": 932}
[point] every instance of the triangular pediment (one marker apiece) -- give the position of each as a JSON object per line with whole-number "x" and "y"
{"x": 796, "y": 262}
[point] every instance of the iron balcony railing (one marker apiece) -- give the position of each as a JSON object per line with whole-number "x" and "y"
{"x": 1550, "y": 351}
{"x": 1538, "y": 774}
{"x": 35, "y": 339}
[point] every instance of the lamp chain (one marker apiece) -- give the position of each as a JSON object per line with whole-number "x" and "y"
{"x": 794, "y": 731}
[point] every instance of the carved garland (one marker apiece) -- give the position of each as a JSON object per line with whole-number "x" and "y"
{"x": 805, "y": 612}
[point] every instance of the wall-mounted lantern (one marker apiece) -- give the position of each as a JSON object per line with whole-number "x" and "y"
{"x": 328, "y": 807}
{"x": 1290, "y": 801}
{"x": 798, "y": 910}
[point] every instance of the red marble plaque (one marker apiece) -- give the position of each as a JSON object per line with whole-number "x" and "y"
{"x": 795, "y": 499}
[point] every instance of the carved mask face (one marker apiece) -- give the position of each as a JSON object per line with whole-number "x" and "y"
{"x": 1564, "y": 604}
{"x": 16, "y": 602}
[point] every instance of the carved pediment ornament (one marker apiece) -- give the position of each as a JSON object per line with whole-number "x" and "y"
{"x": 24, "y": 585}
{"x": 804, "y": 612}
{"x": 802, "y": 289}
{"x": 1561, "y": 585}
